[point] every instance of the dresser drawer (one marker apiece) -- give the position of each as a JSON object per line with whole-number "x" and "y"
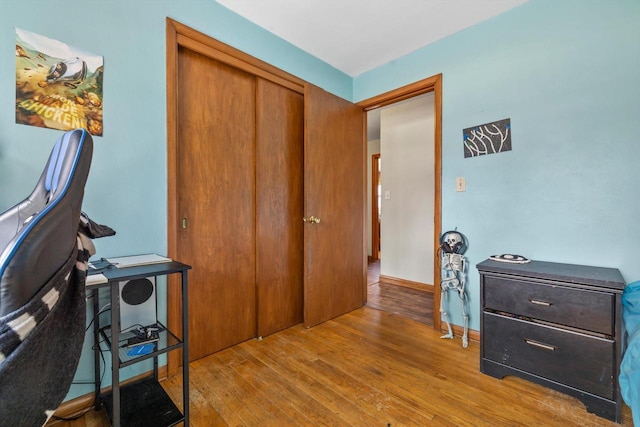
{"x": 578, "y": 308}
{"x": 577, "y": 360}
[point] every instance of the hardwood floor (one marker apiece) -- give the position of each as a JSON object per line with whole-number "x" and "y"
{"x": 373, "y": 272}
{"x": 396, "y": 299}
{"x": 366, "y": 368}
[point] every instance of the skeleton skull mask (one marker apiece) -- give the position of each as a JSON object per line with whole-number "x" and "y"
{"x": 453, "y": 242}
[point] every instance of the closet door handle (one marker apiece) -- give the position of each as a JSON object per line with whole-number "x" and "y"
{"x": 312, "y": 220}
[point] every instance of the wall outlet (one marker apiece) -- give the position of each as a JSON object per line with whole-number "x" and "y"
{"x": 461, "y": 185}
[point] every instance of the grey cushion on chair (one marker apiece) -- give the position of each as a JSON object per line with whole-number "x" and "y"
{"x": 38, "y": 234}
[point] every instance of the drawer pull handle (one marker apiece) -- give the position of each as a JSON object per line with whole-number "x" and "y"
{"x": 540, "y": 345}
{"x": 537, "y": 302}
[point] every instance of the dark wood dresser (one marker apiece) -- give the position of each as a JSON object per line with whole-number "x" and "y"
{"x": 558, "y": 325}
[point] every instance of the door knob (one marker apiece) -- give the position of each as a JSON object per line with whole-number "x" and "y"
{"x": 312, "y": 220}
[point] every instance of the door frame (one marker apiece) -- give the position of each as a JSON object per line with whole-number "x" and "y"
{"x": 179, "y": 35}
{"x": 375, "y": 214}
{"x": 430, "y": 84}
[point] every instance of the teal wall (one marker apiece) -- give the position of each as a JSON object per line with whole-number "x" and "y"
{"x": 127, "y": 183}
{"x": 567, "y": 74}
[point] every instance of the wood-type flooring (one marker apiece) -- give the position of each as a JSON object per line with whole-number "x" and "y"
{"x": 411, "y": 302}
{"x": 370, "y": 367}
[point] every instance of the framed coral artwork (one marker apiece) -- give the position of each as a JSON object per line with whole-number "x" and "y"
{"x": 489, "y": 138}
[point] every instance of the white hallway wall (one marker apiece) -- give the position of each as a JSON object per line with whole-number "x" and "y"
{"x": 407, "y": 150}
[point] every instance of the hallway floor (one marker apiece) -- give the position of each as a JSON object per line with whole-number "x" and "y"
{"x": 396, "y": 299}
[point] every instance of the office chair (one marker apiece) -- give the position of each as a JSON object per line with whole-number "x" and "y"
{"x": 42, "y": 276}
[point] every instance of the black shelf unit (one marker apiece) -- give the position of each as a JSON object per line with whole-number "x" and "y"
{"x": 144, "y": 402}
{"x": 166, "y": 342}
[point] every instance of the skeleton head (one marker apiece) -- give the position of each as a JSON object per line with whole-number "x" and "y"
{"x": 453, "y": 242}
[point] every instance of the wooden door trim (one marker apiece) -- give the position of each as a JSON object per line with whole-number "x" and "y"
{"x": 375, "y": 227}
{"x": 215, "y": 49}
{"x": 430, "y": 84}
{"x": 174, "y": 315}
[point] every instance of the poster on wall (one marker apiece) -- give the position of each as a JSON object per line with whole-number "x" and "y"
{"x": 58, "y": 86}
{"x": 489, "y": 138}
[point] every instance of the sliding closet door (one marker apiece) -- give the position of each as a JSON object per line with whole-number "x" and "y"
{"x": 251, "y": 155}
{"x": 216, "y": 200}
{"x": 335, "y": 268}
{"x": 279, "y": 203}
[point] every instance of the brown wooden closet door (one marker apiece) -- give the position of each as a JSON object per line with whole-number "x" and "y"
{"x": 216, "y": 195}
{"x": 279, "y": 203}
{"x": 335, "y": 266}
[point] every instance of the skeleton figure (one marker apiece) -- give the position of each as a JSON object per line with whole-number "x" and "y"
{"x": 453, "y": 245}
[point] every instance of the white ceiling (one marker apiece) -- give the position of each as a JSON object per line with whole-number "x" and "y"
{"x": 356, "y": 36}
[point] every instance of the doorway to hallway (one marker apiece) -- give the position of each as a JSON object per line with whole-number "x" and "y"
{"x": 401, "y": 200}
